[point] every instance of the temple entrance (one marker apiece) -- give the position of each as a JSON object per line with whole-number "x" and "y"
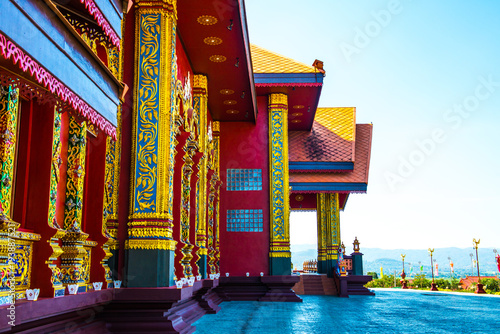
{"x": 303, "y": 239}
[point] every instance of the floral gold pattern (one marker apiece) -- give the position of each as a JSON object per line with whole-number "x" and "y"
{"x": 8, "y": 138}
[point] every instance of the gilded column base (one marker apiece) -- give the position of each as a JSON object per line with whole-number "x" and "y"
{"x": 72, "y": 260}
{"x": 202, "y": 262}
{"x": 107, "y": 247}
{"x": 57, "y": 251}
{"x": 187, "y": 256}
{"x": 211, "y": 261}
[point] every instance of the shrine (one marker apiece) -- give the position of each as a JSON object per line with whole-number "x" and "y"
{"x": 150, "y": 159}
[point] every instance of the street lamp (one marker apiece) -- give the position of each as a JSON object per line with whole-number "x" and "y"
{"x": 471, "y": 263}
{"x": 433, "y": 285}
{"x": 403, "y": 275}
{"x": 479, "y": 288}
{"x": 497, "y": 259}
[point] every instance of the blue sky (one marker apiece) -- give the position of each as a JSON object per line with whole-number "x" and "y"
{"x": 427, "y": 74}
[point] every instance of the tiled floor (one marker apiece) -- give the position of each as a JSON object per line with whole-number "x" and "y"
{"x": 386, "y": 312}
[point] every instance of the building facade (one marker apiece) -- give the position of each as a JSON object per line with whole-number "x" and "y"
{"x": 149, "y": 142}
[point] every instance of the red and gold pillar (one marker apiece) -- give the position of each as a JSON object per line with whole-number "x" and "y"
{"x": 321, "y": 220}
{"x": 279, "y": 256}
{"x": 200, "y": 101}
{"x": 150, "y": 246}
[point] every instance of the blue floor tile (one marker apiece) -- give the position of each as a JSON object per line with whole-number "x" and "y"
{"x": 386, "y": 312}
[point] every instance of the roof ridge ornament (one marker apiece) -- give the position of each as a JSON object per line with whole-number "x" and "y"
{"x": 318, "y": 64}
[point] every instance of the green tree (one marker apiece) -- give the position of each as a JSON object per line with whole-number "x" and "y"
{"x": 490, "y": 284}
{"x": 454, "y": 283}
{"x": 385, "y": 282}
{"x": 372, "y": 274}
{"x": 419, "y": 281}
{"x": 442, "y": 283}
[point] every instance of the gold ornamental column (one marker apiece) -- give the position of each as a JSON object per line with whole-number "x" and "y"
{"x": 213, "y": 200}
{"x": 218, "y": 183}
{"x": 9, "y": 103}
{"x": 321, "y": 217}
{"x": 187, "y": 170}
{"x": 200, "y": 101}
{"x": 332, "y": 232}
{"x": 279, "y": 256}
{"x": 73, "y": 269}
{"x": 150, "y": 247}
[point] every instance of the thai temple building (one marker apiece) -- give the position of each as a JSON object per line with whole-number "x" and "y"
{"x": 150, "y": 158}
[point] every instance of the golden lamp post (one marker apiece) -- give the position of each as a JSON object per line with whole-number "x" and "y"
{"x": 433, "y": 285}
{"x": 403, "y": 275}
{"x": 479, "y": 288}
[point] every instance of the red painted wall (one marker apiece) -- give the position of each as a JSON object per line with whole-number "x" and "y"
{"x": 183, "y": 64}
{"x": 308, "y": 201}
{"x": 93, "y": 198}
{"x": 245, "y": 145}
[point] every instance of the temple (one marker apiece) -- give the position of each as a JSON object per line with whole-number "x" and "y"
{"x": 150, "y": 159}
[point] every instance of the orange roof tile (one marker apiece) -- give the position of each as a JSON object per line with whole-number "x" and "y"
{"x": 361, "y": 165}
{"x": 265, "y": 61}
{"x": 331, "y": 138}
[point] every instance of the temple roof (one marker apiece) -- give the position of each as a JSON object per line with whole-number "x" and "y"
{"x": 331, "y": 138}
{"x": 265, "y": 61}
{"x": 352, "y": 181}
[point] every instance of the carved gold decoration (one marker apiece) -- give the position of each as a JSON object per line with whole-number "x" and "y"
{"x": 77, "y": 144}
{"x": 147, "y": 115}
{"x": 8, "y": 139}
{"x": 52, "y": 263}
{"x": 150, "y": 244}
{"x": 54, "y": 241}
{"x": 110, "y": 205}
{"x": 113, "y": 61}
{"x": 73, "y": 270}
{"x": 55, "y": 170}
{"x": 332, "y": 226}
{"x": 153, "y": 147}
{"x": 187, "y": 169}
{"x": 200, "y": 101}
{"x": 321, "y": 213}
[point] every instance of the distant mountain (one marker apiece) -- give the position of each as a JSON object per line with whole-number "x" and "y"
{"x": 390, "y": 260}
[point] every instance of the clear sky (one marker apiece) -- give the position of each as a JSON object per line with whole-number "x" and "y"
{"x": 427, "y": 75}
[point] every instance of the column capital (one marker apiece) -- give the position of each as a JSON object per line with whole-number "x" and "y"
{"x": 278, "y": 100}
{"x": 200, "y": 84}
{"x": 157, "y": 6}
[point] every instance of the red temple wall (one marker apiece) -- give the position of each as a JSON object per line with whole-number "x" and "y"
{"x": 246, "y": 146}
{"x": 95, "y": 166}
{"x": 183, "y": 64}
{"x": 33, "y": 165}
